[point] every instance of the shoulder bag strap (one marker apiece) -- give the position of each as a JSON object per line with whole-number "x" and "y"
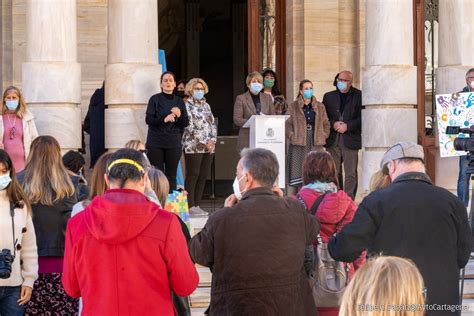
{"x": 316, "y": 203}
{"x": 12, "y": 214}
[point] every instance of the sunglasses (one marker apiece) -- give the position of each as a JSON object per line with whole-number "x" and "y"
{"x": 143, "y": 151}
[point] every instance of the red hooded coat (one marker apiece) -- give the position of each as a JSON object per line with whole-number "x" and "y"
{"x": 124, "y": 255}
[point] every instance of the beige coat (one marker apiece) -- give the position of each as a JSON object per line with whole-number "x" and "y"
{"x": 29, "y": 131}
{"x": 296, "y": 123}
{"x": 244, "y": 108}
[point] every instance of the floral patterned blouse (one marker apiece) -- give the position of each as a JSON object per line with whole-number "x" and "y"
{"x": 201, "y": 128}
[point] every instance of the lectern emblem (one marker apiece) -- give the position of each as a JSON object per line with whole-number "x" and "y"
{"x": 270, "y": 132}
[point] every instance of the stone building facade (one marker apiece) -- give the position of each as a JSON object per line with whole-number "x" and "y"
{"x": 60, "y": 51}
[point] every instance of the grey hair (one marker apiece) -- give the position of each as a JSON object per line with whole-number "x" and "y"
{"x": 262, "y": 164}
{"x": 469, "y": 71}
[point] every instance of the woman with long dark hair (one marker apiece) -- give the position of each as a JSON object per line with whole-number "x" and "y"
{"x": 50, "y": 190}
{"x": 167, "y": 118}
{"x": 17, "y": 239}
{"x": 271, "y": 87}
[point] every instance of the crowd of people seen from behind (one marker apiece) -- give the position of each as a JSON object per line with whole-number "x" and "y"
{"x": 105, "y": 245}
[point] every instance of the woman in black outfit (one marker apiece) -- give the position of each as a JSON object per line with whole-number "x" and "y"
{"x": 166, "y": 117}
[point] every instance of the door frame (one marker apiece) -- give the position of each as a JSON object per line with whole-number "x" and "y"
{"x": 254, "y": 49}
{"x": 427, "y": 141}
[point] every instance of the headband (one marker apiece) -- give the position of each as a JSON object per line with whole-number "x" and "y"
{"x": 127, "y": 161}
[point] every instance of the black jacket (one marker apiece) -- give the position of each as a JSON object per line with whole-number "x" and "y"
{"x": 351, "y": 116}
{"x": 161, "y": 134}
{"x": 94, "y": 125}
{"x": 50, "y": 223}
{"x": 412, "y": 219}
{"x": 256, "y": 253}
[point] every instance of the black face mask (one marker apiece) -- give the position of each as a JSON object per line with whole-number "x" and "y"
{"x": 180, "y": 94}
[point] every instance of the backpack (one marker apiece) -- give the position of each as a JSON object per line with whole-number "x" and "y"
{"x": 328, "y": 278}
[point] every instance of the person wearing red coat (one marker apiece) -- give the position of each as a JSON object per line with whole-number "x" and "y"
{"x": 124, "y": 254}
{"x": 336, "y": 210}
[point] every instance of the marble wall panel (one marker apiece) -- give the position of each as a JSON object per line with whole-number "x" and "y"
{"x": 127, "y": 122}
{"x": 62, "y": 121}
{"x": 131, "y": 83}
{"x": 56, "y": 82}
{"x": 389, "y": 27}
{"x": 133, "y": 31}
{"x": 383, "y": 127}
{"x": 389, "y": 84}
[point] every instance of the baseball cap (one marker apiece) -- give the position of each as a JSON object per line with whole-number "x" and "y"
{"x": 403, "y": 150}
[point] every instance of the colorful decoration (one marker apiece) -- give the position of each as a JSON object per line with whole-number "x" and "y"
{"x": 177, "y": 202}
{"x": 455, "y": 109}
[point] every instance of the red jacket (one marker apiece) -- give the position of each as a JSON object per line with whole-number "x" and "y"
{"x": 335, "y": 209}
{"x": 124, "y": 255}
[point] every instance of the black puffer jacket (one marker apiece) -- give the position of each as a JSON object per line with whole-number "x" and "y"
{"x": 412, "y": 219}
{"x": 50, "y": 222}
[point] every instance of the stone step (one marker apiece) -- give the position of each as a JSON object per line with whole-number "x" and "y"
{"x": 205, "y": 276}
{"x": 201, "y": 297}
{"x": 468, "y": 304}
{"x": 468, "y": 288}
{"x": 199, "y": 311}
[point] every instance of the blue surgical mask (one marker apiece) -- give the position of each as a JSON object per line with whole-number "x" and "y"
{"x": 198, "y": 94}
{"x": 12, "y": 105}
{"x": 256, "y": 87}
{"x": 342, "y": 85}
{"x": 308, "y": 94}
{"x": 5, "y": 181}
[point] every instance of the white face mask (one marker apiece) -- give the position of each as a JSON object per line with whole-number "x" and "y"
{"x": 236, "y": 187}
{"x": 472, "y": 84}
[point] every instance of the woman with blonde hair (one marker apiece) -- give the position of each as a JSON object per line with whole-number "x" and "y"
{"x": 50, "y": 190}
{"x": 199, "y": 140}
{"x": 17, "y": 127}
{"x": 379, "y": 180}
{"x": 252, "y": 102}
{"x": 385, "y": 286}
{"x": 137, "y": 145}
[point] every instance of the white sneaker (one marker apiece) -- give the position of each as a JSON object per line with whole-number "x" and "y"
{"x": 196, "y": 210}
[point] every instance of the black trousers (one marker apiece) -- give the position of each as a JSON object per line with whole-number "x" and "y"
{"x": 166, "y": 159}
{"x": 197, "y": 169}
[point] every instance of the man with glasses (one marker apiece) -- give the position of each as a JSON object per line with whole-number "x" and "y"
{"x": 343, "y": 107}
{"x": 463, "y": 180}
{"x": 414, "y": 219}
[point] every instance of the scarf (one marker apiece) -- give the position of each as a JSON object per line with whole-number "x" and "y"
{"x": 322, "y": 187}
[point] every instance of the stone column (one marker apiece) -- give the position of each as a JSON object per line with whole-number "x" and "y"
{"x": 389, "y": 81}
{"x": 51, "y": 75}
{"x": 455, "y": 47}
{"x": 132, "y": 73}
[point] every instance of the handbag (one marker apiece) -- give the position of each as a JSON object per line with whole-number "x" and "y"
{"x": 328, "y": 278}
{"x": 177, "y": 202}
